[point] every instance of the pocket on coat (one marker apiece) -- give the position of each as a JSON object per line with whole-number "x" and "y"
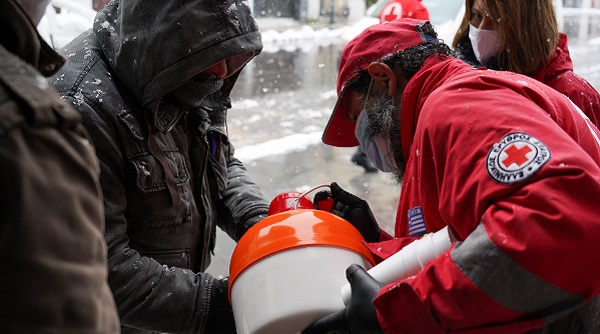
{"x": 150, "y": 175}
{"x": 179, "y": 258}
{"x": 149, "y": 202}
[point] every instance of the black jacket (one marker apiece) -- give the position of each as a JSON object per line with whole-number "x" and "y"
{"x": 52, "y": 254}
{"x": 168, "y": 175}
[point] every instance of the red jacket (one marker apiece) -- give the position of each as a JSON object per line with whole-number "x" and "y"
{"x": 558, "y": 73}
{"x": 513, "y": 168}
{"x": 396, "y": 9}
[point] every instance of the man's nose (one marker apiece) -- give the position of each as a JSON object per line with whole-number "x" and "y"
{"x": 219, "y": 70}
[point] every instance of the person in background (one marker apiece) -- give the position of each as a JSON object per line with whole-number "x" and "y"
{"x": 523, "y": 37}
{"x": 52, "y": 255}
{"x": 151, "y": 80}
{"x": 396, "y": 9}
{"x": 508, "y": 164}
{"x": 393, "y": 10}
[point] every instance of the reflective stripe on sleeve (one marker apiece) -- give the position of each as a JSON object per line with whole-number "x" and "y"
{"x": 507, "y": 282}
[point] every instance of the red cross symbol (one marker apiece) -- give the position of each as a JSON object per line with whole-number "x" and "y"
{"x": 391, "y": 11}
{"x": 516, "y": 155}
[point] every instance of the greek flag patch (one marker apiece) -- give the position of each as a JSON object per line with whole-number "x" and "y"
{"x": 416, "y": 223}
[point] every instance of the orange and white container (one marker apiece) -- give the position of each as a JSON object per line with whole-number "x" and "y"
{"x": 287, "y": 271}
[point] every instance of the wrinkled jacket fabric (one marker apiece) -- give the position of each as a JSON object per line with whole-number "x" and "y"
{"x": 168, "y": 175}
{"x": 513, "y": 169}
{"x": 52, "y": 254}
{"x": 557, "y": 73}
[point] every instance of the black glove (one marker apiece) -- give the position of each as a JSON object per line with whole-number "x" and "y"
{"x": 352, "y": 208}
{"x": 360, "y": 317}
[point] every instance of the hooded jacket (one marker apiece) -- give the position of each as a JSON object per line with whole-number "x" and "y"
{"x": 513, "y": 168}
{"x": 557, "y": 73}
{"x": 168, "y": 174}
{"x": 52, "y": 254}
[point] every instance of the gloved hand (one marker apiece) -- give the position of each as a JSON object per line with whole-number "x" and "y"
{"x": 352, "y": 208}
{"x": 243, "y": 228}
{"x": 360, "y": 317}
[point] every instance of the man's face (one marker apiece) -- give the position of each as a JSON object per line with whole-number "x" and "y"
{"x": 192, "y": 92}
{"x": 35, "y": 8}
{"x": 383, "y": 112}
{"x": 226, "y": 68}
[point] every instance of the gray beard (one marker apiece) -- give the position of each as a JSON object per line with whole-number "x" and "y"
{"x": 384, "y": 117}
{"x": 192, "y": 92}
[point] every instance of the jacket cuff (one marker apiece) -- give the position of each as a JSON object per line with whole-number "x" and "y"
{"x": 220, "y": 314}
{"x": 248, "y": 223}
{"x": 384, "y": 236}
{"x": 401, "y": 310}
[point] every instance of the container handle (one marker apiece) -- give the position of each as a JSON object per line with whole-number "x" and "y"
{"x": 296, "y": 201}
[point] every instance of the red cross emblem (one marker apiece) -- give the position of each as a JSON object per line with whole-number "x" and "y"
{"x": 516, "y": 155}
{"x": 391, "y": 11}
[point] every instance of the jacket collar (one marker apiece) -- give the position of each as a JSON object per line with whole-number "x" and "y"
{"x": 21, "y": 37}
{"x": 435, "y": 72}
{"x": 559, "y": 62}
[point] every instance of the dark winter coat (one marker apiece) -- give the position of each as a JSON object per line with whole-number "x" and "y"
{"x": 557, "y": 73}
{"x": 52, "y": 254}
{"x": 168, "y": 175}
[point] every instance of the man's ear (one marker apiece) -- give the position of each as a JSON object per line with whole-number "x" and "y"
{"x": 382, "y": 74}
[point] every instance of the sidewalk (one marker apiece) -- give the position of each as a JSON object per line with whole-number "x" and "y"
{"x": 286, "y": 23}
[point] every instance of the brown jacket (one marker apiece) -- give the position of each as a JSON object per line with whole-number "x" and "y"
{"x": 52, "y": 254}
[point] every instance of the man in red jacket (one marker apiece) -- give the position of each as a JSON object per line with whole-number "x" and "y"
{"x": 509, "y": 164}
{"x": 393, "y": 10}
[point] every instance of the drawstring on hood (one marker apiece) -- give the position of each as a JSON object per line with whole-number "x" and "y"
{"x": 159, "y": 155}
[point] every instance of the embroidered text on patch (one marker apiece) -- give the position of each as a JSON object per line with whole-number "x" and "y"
{"x": 516, "y": 157}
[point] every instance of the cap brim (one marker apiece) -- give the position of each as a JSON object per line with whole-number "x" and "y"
{"x": 340, "y": 130}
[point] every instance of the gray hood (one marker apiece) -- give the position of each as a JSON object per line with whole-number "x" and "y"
{"x": 167, "y": 42}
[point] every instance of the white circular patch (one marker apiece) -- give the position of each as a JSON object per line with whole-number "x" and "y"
{"x": 391, "y": 11}
{"x": 516, "y": 157}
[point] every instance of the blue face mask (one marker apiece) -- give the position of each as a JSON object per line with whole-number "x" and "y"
{"x": 377, "y": 148}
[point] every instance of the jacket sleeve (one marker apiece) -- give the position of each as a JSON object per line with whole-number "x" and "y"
{"x": 524, "y": 260}
{"x": 581, "y": 93}
{"x": 144, "y": 289}
{"x": 51, "y": 247}
{"x": 243, "y": 201}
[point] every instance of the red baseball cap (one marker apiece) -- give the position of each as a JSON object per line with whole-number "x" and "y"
{"x": 372, "y": 45}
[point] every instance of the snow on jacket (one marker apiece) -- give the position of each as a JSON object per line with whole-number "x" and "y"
{"x": 168, "y": 175}
{"x": 557, "y": 73}
{"x": 513, "y": 168}
{"x": 52, "y": 255}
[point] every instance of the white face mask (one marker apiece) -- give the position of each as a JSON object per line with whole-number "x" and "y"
{"x": 485, "y": 43}
{"x": 377, "y": 148}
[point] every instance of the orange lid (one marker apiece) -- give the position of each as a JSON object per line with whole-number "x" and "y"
{"x": 291, "y": 229}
